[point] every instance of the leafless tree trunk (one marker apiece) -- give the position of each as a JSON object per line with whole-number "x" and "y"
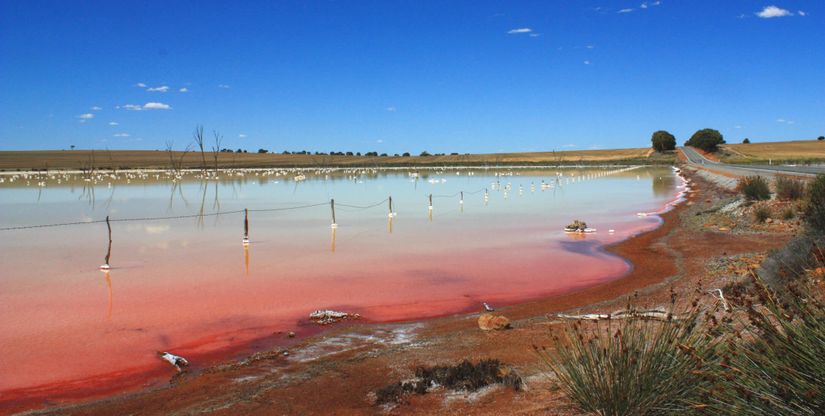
{"x": 198, "y": 136}
{"x": 217, "y": 148}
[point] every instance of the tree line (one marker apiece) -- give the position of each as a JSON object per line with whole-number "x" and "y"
{"x": 708, "y": 140}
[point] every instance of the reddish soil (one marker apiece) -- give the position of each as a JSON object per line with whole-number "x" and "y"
{"x": 338, "y": 371}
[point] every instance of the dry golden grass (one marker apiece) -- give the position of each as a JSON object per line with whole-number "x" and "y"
{"x": 130, "y": 159}
{"x": 777, "y": 151}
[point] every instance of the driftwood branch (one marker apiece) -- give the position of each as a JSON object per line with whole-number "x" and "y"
{"x": 648, "y": 314}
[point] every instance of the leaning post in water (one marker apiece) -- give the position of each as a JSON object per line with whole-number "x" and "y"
{"x": 105, "y": 265}
{"x": 245, "y": 227}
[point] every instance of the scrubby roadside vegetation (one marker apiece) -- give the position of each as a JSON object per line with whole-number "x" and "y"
{"x": 756, "y": 350}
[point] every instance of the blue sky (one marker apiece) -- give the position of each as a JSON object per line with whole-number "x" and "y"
{"x": 395, "y": 76}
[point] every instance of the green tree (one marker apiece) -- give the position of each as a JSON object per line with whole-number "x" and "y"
{"x": 746, "y": 141}
{"x": 663, "y": 141}
{"x": 706, "y": 139}
{"x": 821, "y": 138}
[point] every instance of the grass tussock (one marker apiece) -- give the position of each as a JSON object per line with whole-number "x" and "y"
{"x": 635, "y": 367}
{"x": 754, "y": 188}
{"x": 775, "y": 366}
{"x": 761, "y": 213}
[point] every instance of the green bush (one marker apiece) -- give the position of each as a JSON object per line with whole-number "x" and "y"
{"x": 815, "y": 204}
{"x": 706, "y": 139}
{"x": 746, "y": 141}
{"x": 663, "y": 141}
{"x": 637, "y": 367}
{"x": 788, "y": 214}
{"x": 789, "y": 189}
{"x": 755, "y": 188}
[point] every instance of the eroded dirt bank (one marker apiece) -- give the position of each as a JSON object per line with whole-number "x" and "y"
{"x": 338, "y": 371}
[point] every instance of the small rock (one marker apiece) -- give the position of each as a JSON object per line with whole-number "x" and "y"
{"x": 291, "y": 334}
{"x": 490, "y": 322}
{"x": 724, "y": 229}
{"x": 769, "y": 220}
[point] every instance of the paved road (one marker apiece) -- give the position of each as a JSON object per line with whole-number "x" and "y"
{"x": 696, "y": 158}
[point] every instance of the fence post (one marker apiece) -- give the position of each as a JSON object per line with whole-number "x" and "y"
{"x": 105, "y": 265}
{"x": 245, "y": 227}
{"x": 332, "y": 207}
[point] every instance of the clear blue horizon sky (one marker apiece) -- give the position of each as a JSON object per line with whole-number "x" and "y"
{"x": 395, "y": 76}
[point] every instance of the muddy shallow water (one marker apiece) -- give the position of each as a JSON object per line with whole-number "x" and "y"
{"x": 189, "y": 286}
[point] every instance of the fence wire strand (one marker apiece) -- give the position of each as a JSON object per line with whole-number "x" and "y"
{"x": 177, "y": 217}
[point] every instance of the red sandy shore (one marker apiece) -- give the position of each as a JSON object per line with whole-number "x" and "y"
{"x": 337, "y": 371}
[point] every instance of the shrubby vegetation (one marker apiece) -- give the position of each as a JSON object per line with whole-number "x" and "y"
{"x": 706, "y": 139}
{"x": 633, "y": 368}
{"x": 663, "y": 141}
{"x": 746, "y": 141}
{"x": 789, "y": 189}
{"x": 754, "y": 188}
{"x": 815, "y": 205}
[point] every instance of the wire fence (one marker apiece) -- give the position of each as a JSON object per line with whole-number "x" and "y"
{"x": 214, "y": 214}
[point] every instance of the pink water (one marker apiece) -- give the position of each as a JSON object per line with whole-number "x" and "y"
{"x": 192, "y": 288}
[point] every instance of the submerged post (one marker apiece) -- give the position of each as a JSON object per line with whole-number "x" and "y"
{"x": 391, "y": 214}
{"x": 431, "y": 202}
{"x": 245, "y": 227}
{"x": 105, "y": 265}
{"x": 461, "y": 201}
{"x": 332, "y": 207}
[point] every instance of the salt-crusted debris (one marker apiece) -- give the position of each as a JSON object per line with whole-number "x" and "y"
{"x": 326, "y": 316}
{"x": 179, "y": 362}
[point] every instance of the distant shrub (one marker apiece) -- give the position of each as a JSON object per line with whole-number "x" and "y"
{"x": 789, "y": 189}
{"x": 746, "y": 141}
{"x": 762, "y": 213}
{"x": 406, "y": 154}
{"x": 754, "y": 188}
{"x": 663, "y": 141}
{"x": 637, "y": 367}
{"x": 706, "y": 139}
{"x": 815, "y": 204}
{"x": 425, "y": 153}
{"x": 262, "y": 151}
{"x": 788, "y": 214}
{"x": 821, "y": 138}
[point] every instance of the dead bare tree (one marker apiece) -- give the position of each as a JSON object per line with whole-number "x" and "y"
{"x": 217, "y": 149}
{"x": 197, "y": 135}
{"x": 176, "y": 164}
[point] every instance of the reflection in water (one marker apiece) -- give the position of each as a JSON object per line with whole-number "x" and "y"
{"x": 389, "y": 224}
{"x": 246, "y": 258}
{"x": 108, "y": 278}
{"x": 333, "y": 238}
{"x": 663, "y": 185}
